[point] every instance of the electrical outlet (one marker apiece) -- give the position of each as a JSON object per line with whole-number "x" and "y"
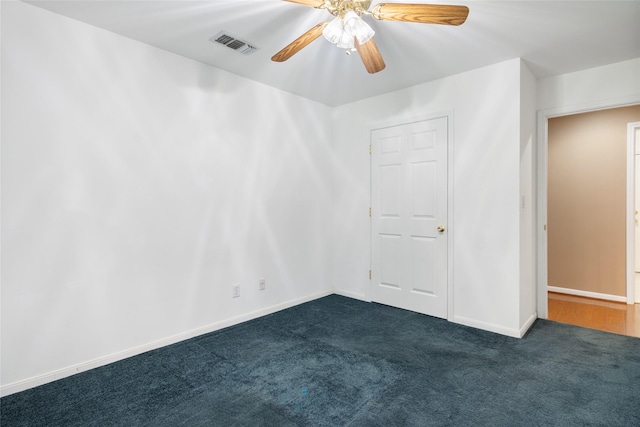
{"x": 263, "y": 284}
{"x": 236, "y": 291}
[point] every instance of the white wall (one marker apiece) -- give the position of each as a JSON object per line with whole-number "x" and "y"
{"x": 527, "y": 197}
{"x": 486, "y": 229}
{"x": 609, "y": 85}
{"x": 137, "y": 186}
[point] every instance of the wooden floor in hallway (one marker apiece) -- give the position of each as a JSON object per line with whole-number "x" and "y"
{"x": 616, "y": 317}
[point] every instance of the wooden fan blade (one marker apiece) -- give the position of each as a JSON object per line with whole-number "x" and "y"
{"x": 424, "y": 13}
{"x": 313, "y": 3}
{"x": 370, "y": 55}
{"x": 299, "y": 43}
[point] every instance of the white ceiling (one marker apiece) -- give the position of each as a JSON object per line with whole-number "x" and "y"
{"x": 553, "y": 37}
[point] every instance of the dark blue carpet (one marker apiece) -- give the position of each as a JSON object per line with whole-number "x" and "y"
{"x": 337, "y": 361}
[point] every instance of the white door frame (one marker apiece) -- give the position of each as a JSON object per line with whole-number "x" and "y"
{"x": 403, "y": 120}
{"x": 631, "y": 202}
{"x": 542, "y": 168}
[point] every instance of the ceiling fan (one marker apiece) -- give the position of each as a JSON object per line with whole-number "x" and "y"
{"x": 349, "y": 31}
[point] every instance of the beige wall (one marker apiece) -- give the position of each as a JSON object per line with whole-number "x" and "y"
{"x": 586, "y": 200}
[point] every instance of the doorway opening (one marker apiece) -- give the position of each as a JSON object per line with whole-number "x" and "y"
{"x": 586, "y": 258}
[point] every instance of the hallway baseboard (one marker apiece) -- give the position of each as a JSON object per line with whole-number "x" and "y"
{"x": 596, "y": 295}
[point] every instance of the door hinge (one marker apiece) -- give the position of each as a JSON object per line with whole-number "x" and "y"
{"x": 370, "y": 213}
{"x": 369, "y": 148}
{"x": 369, "y": 274}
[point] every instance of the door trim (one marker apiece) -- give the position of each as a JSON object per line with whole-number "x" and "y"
{"x": 630, "y": 219}
{"x": 541, "y": 169}
{"x": 403, "y": 120}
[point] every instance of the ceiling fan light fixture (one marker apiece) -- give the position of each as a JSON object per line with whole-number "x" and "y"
{"x": 364, "y": 33}
{"x": 346, "y": 41}
{"x": 355, "y": 26}
{"x": 341, "y": 31}
{"x": 333, "y": 31}
{"x": 351, "y": 22}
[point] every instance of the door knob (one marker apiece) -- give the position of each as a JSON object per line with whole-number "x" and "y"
{"x": 440, "y": 229}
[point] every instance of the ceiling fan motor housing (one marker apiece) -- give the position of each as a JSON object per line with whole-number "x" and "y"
{"x": 340, "y": 8}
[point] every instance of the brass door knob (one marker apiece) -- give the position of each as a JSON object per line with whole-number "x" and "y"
{"x": 440, "y": 229}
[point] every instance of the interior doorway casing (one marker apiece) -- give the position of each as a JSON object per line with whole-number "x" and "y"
{"x": 542, "y": 182}
{"x": 630, "y": 218}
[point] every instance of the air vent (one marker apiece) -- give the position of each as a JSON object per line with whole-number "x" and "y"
{"x": 234, "y": 43}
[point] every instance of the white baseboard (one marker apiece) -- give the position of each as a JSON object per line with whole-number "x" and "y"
{"x": 528, "y": 324}
{"x": 22, "y": 385}
{"x": 353, "y": 295}
{"x": 515, "y": 333}
{"x": 587, "y": 294}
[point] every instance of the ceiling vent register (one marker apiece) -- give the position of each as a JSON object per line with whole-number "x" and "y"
{"x": 234, "y": 43}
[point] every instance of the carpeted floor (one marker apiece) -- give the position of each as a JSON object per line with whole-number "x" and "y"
{"x": 337, "y": 361}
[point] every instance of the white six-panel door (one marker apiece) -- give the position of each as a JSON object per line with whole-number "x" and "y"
{"x": 409, "y": 213}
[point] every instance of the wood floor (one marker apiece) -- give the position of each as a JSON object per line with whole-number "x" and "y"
{"x": 616, "y": 317}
